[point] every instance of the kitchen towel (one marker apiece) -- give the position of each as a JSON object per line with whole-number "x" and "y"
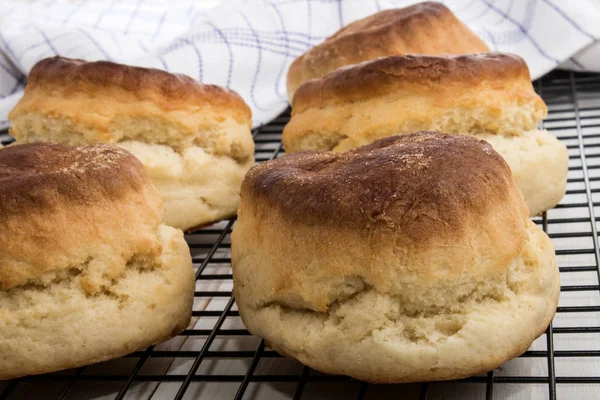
{"x": 248, "y": 45}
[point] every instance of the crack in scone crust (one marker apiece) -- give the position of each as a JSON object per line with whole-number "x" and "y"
{"x": 89, "y": 277}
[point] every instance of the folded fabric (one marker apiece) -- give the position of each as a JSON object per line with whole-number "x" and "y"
{"x": 248, "y": 45}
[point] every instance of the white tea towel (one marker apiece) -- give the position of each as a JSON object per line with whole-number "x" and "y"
{"x": 248, "y": 45}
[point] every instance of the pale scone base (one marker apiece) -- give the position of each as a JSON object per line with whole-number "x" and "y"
{"x": 539, "y": 164}
{"x": 54, "y": 325}
{"x": 198, "y": 188}
{"x": 370, "y": 337}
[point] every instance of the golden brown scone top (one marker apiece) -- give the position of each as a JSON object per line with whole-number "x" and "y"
{"x": 424, "y": 28}
{"x": 43, "y": 175}
{"x": 67, "y": 208}
{"x": 426, "y": 185}
{"x": 406, "y": 214}
{"x": 166, "y": 89}
{"x": 417, "y": 73}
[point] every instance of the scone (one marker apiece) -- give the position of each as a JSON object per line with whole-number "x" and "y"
{"x": 424, "y": 28}
{"x": 487, "y": 95}
{"x": 87, "y": 270}
{"x": 193, "y": 139}
{"x": 410, "y": 259}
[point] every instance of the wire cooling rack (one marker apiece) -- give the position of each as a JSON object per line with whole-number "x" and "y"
{"x": 216, "y": 358}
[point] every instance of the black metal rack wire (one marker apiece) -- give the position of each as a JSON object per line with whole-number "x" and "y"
{"x": 217, "y": 358}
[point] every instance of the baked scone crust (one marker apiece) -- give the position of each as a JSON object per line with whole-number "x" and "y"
{"x": 87, "y": 270}
{"x": 424, "y": 28}
{"x": 489, "y": 96}
{"x": 405, "y": 260}
{"x": 96, "y": 94}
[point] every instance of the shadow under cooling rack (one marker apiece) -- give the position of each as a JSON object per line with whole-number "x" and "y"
{"x": 216, "y": 358}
